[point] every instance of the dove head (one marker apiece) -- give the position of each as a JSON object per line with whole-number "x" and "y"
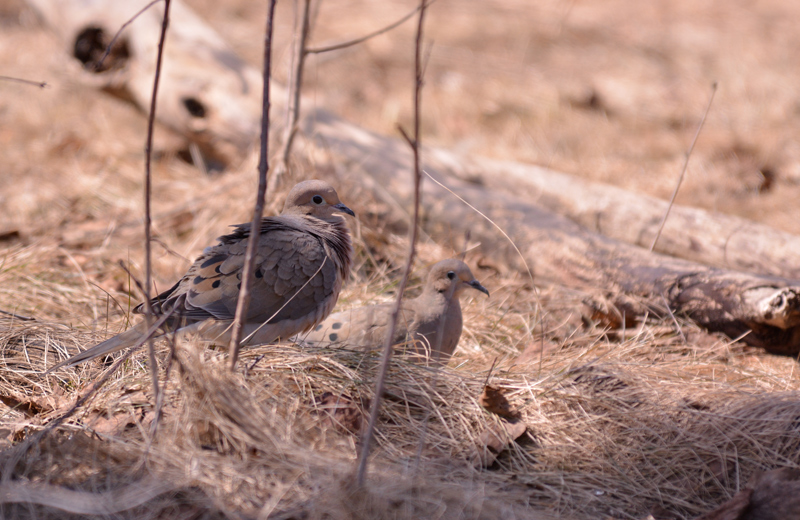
{"x": 317, "y": 199}
{"x": 453, "y": 274}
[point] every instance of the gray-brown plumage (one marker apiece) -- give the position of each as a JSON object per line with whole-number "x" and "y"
{"x": 420, "y": 321}
{"x": 303, "y": 257}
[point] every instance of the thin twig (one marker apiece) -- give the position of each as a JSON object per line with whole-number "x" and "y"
{"x": 248, "y": 269}
{"x": 489, "y": 373}
{"x": 17, "y": 316}
{"x": 685, "y": 165}
{"x": 387, "y": 345}
{"x": 302, "y": 26}
{"x": 350, "y": 43}
{"x": 160, "y": 401}
{"x": 148, "y": 153}
{"x": 132, "y": 19}
{"x": 40, "y": 84}
{"x": 490, "y": 221}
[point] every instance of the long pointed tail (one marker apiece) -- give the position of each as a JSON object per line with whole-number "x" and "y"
{"x": 126, "y": 339}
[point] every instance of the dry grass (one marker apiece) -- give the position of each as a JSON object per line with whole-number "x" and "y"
{"x": 622, "y": 423}
{"x": 648, "y": 424}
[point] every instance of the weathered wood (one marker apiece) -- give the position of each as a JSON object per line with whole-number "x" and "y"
{"x": 207, "y": 92}
{"x": 766, "y": 310}
{"x": 702, "y": 236}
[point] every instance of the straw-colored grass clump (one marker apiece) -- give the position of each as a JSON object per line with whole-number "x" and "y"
{"x": 652, "y": 420}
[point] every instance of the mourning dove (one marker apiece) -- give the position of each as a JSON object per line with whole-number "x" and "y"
{"x": 302, "y": 259}
{"x": 420, "y": 320}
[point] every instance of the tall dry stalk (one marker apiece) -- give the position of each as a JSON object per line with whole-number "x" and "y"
{"x": 263, "y": 166}
{"x": 148, "y": 153}
{"x": 362, "y": 39}
{"x": 683, "y": 170}
{"x": 387, "y": 345}
{"x": 297, "y": 67}
{"x": 299, "y": 53}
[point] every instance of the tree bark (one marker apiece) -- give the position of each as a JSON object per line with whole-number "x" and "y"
{"x": 764, "y": 310}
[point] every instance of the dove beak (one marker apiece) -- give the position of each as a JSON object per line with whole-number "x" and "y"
{"x": 341, "y": 207}
{"x": 475, "y": 284}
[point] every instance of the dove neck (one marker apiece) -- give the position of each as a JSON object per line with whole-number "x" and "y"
{"x": 437, "y": 301}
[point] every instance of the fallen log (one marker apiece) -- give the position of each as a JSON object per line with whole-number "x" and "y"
{"x": 764, "y": 310}
{"x": 207, "y": 93}
{"x": 695, "y": 234}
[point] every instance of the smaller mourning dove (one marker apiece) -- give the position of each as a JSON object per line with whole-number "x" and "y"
{"x": 302, "y": 259}
{"x": 421, "y": 319}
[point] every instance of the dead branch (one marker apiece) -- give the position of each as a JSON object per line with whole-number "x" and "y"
{"x": 694, "y": 234}
{"x": 295, "y": 88}
{"x": 148, "y": 153}
{"x": 362, "y": 39}
{"x": 386, "y": 356}
{"x": 685, "y": 165}
{"x": 110, "y": 47}
{"x": 248, "y": 270}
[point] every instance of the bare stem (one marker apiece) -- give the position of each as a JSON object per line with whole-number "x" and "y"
{"x": 148, "y": 153}
{"x": 387, "y": 345}
{"x": 350, "y": 43}
{"x": 295, "y": 87}
{"x": 683, "y": 171}
{"x": 132, "y": 19}
{"x": 160, "y": 401}
{"x": 17, "y": 316}
{"x": 40, "y": 84}
{"x": 255, "y": 227}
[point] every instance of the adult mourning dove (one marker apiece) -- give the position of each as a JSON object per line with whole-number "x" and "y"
{"x": 420, "y": 320}
{"x": 303, "y": 257}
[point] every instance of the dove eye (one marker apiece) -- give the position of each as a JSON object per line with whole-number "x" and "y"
{"x": 316, "y": 199}
{"x": 451, "y": 274}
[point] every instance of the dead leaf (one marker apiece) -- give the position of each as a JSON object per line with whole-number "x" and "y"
{"x": 493, "y": 401}
{"x": 29, "y": 407}
{"x": 493, "y": 441}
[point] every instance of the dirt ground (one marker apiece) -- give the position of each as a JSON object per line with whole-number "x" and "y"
{"x": 610, "y": 91}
